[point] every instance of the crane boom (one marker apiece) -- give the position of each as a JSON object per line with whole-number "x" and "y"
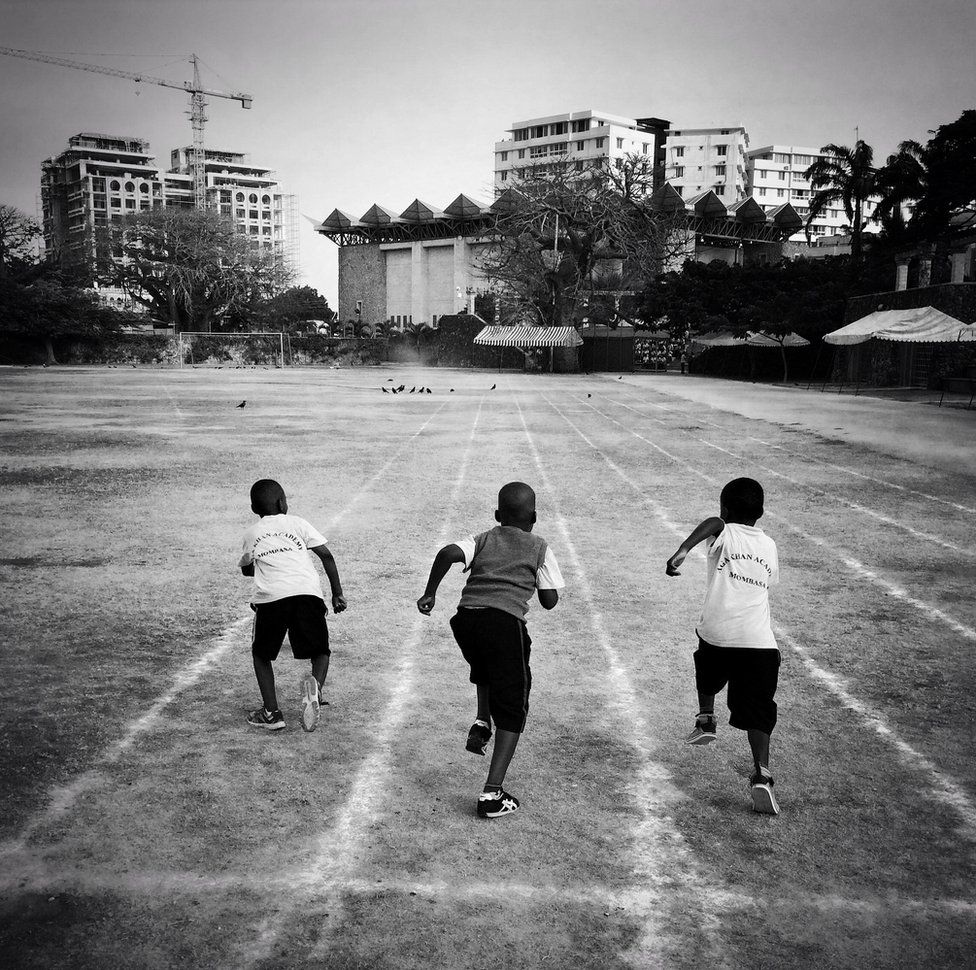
{"x": 197, "y": 93}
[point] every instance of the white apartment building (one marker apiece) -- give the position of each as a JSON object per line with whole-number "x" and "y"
{"x": 99, "y": 179}
{"x": 585, "y": 139}
{"x": 707, "y": 159}
{"x": 775, "y": 176}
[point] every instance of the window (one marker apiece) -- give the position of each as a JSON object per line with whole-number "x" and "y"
{"x": 618, "y": 162}
{"x": 540, "y": 131}
{"x": 677, "y": 134}
{"x": 504, "y": 176}
{"x": 239, "y": 197}
{"x": 559, "y": 128}
{"x": 763, "y": 173}
{"x": 803, "y": 160}
{"x": 144, "y": 188}
{"x": 679, "y": 152}
{"x": 719, "y": 169}
{"x": 521, "y": 134}
{"x": 782, "y": 176}
{"x": 504, "y": 156}
{"x": 266, "y": 230}
{"x": 780, "y": 193}
{"x": 680, "y": 189}
{"x": 116, "y": 203}
{"x": 254, "y": 230}
{"x": 722, "y": 149}
{"x": 679, "y": 171}
{"x": 252, "y": 213}
{"x": 578, "y": 166}
{"x": 725, "y": 131}
{"x": 130, "y": 203}
{"x": 600, "y": 142}
{"x": 241, "y": 214}
{"x": 644, "y": 148}
{"x": 580, "y": 145}
{"x": 582, "y": 125}
{"x": 620, "y": 143}
{"x": 266, "y": 200}
{"x": 114, "y": 186}
{"x": 252, "y": 198}
{"x": 130, "y": 187}
{"x": 781, "y": 157}
{"x": 98, "y": 185}
{"x": 521, "y": 153}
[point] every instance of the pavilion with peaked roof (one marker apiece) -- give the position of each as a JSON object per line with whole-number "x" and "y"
{"x": 422, "y": 263}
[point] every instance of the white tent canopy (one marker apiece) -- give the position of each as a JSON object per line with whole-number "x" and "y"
{"x": 786, "y": 340}
{"x": 919, "y": 325}
{"x": 528, "y": 337}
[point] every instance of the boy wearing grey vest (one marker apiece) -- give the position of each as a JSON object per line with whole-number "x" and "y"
{"x": 505, "y": 566}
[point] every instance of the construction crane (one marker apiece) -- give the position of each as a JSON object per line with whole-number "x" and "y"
{"x": 198, "y": 95}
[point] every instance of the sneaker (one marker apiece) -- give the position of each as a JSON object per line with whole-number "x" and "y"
{"x": 494, "y": 804}
{"x": 704, "y": 732}
{"x": 269, "y": 720}
{"x": 310, "y": 702}
{"x": 478, "y": 738}
{"x": 763, "y": 799}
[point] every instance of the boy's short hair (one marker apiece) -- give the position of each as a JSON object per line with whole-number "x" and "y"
{"x": 516, "y": 499}
{"x": 265, "y": 493}
{"x": 743, "y": 498}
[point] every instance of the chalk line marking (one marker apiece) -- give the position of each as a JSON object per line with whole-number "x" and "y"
{"x": 856, "y": 506}
{"x": 943, "y": 786}
{"x": 63, "y": 797}
{"x": 796, "y": 454}
{"x": 662, "y": 856}
{"x": 337, "y": 850}
{"x": 854, "y": 565}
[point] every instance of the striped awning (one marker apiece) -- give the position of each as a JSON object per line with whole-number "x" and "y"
{"x": 529, "y": 337}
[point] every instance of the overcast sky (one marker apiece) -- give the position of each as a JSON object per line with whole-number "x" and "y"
{"x": 362, "y": 101}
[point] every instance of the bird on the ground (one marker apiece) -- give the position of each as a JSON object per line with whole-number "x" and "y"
{"x": 619, "y": 378}
{"x": 493, "y": 386}
{"x": 389, "y": 379}
{"x": 452, "y": 390}
{"x": 393, "y": 390}
{"x": 243, "y": 404}
{"x": 413, "y": 389}
{"x": 429, "y": 391}
{"x": 384, "y": 390}
{"x": 589, "y": 395}
{"x": 421, "y": 391}
{"x": 402, "y": 387}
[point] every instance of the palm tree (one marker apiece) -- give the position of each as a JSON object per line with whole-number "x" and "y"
{"x": 417, "y": 331}
{"x": 845, "y": 175}
{"x": 903, "y": 179}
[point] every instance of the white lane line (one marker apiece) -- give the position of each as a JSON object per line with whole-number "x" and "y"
{"x": 339, "y": 850}
{"x": 809, "y": 458}
{"x": 854, "y": 565}
{"x": 613, "y": 900}
{"x": 830, "y": 496}
{"x": 63, "y": 797}
{"x": 945, "y": 789}
{"x": 662, "y": 857}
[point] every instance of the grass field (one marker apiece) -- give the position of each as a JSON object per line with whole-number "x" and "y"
{"x": 144, "y": 825}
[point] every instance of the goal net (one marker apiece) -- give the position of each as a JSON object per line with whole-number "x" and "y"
{"x": 249, "y": 349}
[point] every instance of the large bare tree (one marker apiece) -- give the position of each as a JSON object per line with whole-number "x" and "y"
{"x": 564, "y": 235}
{"x": 18, "y": 236}
{"x": 191, "y": 268}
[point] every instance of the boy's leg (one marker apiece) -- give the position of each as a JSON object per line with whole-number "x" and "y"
{"x": 751, "y": 701}
{"x": 320, "y": 668}
{"x": 484, "y": 705}
{"x": 501, "y": 758}
{"x": 759, "y": 742}
{"x": 264, "y": 672}
{"x": 710, "y": 677}
{"x": 479, "y": 734}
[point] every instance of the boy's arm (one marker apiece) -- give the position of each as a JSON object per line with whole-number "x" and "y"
{"x": 332, "y": 571}
{"x": 704, "y": 530}
{"x": 445, "y": 558}
{"x": 548, "y": 598}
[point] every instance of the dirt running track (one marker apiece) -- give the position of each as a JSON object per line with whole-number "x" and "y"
{"x": 144, "y": 825}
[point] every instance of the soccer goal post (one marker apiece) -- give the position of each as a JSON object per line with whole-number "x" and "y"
{"x": 201, "y": 348}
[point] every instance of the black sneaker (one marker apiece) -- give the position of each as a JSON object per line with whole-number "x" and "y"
{"x": 763, "y": 799}
{"x": 478, "y": 738}
{"x": 269, "y": 720}
{"x": 494, "y": 804}
{"x": 704, "y": 732}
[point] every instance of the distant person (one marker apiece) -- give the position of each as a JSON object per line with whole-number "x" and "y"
{"x": 287, "y": 599}
{"x": 736, "y": 645}
{"x": 505, "y": 566}
{"x": 684, "y": 363}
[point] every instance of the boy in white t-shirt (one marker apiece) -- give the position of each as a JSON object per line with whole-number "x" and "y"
{"x": 287, "y": 599}
{"x": 736, "y": 645}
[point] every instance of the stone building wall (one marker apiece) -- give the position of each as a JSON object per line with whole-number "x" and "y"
{"x": 362, "y": 276}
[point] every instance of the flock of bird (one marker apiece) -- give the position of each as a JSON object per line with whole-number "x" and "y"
{"x": 402, "y": 389}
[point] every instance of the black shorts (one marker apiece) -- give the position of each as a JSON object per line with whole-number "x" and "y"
{"x": 752, "y": 676}
{"x": 496, "y": 645}
{"x": 301, "y": 617}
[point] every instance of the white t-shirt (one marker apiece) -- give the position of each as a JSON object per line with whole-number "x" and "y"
{"x": 548, "y": 577}
{"x": 278, "y": 546}
{"x": 742, "y": 565}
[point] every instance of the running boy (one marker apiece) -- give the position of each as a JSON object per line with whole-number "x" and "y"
{"x": 505, "y": 566}
{"x": 736, "y": 645}
{"x": 287, "y": 599}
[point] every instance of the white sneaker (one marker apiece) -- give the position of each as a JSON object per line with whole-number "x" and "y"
{"x": 310, "y": 702}
{"x": 763, "y": 799}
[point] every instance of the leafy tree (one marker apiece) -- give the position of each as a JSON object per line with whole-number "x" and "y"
{"x": 291, "y": 309}
{"x": 418, "y": 331}
{"x": 48, "y": 308}
{"x": 191, "y": 268}
{"x": 18, "y": 236}
{"x": 564, "y": 234}
{"x": 845, "y": 175}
